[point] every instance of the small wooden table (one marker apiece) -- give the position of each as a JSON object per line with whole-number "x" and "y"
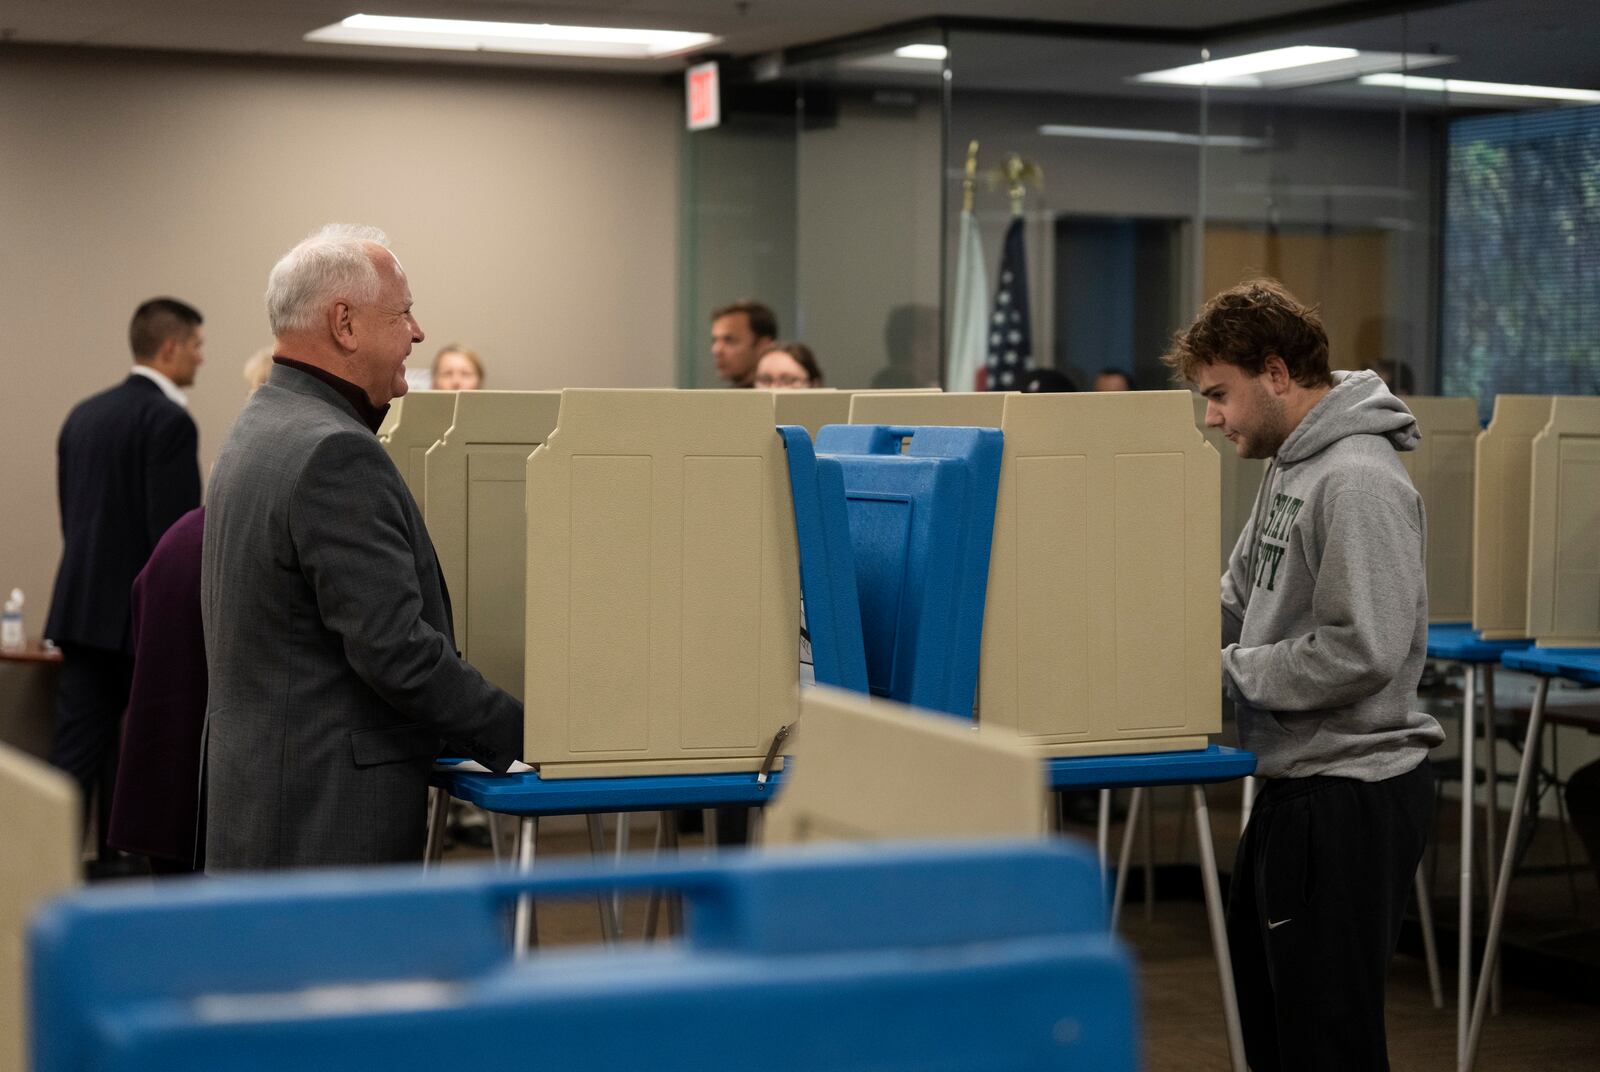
{"x": 28, "y": 697}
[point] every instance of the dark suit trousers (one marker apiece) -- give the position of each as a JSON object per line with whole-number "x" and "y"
{"x": 91, "y": 696}
{"x": 1322, "y": 880}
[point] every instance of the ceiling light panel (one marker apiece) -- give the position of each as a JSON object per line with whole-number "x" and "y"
{"x": 1286, "y": 68}
{"x": 1161, "y": 137}
{"x": 1242, "y": 71}
{"x": 1457, "y": 87}
{"x": 604, "y": 42}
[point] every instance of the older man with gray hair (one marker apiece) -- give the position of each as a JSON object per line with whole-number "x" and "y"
{"x": 334, "y": 676}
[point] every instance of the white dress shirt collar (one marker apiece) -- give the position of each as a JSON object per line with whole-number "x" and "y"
{"x": 168, "y": 388}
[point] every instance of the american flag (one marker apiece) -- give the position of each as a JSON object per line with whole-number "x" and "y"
{"x": 1010, "y": 327}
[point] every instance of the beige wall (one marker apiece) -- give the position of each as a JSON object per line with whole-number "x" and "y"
{"x": 535, "y": 215}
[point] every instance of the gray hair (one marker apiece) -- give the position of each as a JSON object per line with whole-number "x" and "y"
{"x": 330, "y": 263}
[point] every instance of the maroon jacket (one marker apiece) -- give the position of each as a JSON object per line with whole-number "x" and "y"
{"x": 156, "y": 803}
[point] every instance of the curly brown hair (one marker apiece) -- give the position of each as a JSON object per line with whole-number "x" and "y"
{"x": 1245, "y": 325}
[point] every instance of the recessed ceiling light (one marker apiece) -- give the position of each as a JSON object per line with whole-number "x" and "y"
{"x": 1241, "y": 70}
{"x": 603, "y": 42}
{"x": 1457, "y": 87}
{"x": 1163, "y": 137}
{"x": 1292, "y": 67}
{"x": 922, "y": 52}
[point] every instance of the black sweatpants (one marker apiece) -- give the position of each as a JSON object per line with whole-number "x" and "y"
{"x": 91, "y": 698}
{"x": 1324, "y": 872}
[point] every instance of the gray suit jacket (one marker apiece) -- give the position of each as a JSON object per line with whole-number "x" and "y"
{"x": 335, "y": 679}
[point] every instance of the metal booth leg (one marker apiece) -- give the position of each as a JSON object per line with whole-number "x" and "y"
{"x": 1128, "y": 831}
{"x": 666, "y": 839}
{"x": 1469, "y": 707}
{"x": 1102, "y": 838}
{"x": 610, "y": 925}
{"x": 1491, "y": 809}
{"x": 1497, "y": 911}
{"x": 1247, "y": 802}
{"x": 525, "y": 928}
{"x": 438, "y": 813}
{"x": 493, "y": 822}
{"x": 1150, "y": 860}
{"x": 624, "y": 824}
{"x": 1219, "y": 928}
{"x": 1430, "y": 943}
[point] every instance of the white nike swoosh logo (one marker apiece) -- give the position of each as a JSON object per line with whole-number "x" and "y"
{"x": 1271, "y": 926}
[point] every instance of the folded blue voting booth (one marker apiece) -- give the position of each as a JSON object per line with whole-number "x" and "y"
{"x": 890, "y": 958}
{"x": 914, "y": 528}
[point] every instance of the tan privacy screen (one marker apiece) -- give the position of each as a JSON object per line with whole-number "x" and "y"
{"x": 39, "y": 843}
{"x": 417, "y": 421}
{"x": 819, "y": 406}
{"x": 869, "y": 770}
{"x": 663, "y": 609}
{"x": 1500, "y": 516}
{"x": 1241, "y": 479}
{"x": 1101, "y": 631}
{"x": 476, "y": 518}
{"x": 1564, "y": 527}
{"x": 1442, "y": 468}
{"x": 813, "y": 409}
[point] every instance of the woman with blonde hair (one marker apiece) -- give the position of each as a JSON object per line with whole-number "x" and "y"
{"x": 457, "y": 368}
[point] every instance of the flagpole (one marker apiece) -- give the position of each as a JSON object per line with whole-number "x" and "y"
{"x": 970, "y": 317}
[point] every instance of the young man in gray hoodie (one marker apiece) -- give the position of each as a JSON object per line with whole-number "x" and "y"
{"x": 1324, "y": 632}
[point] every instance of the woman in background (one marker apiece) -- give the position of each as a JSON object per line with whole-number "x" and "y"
{"x": 787, "y": 366}
{"x": 457, "y": 368}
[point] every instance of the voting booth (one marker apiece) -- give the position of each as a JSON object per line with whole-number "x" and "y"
{"x": 663, "y": 593}
{"x": 415, "y": 422}
{"x": 476, "y": 517}
{"x": 1442, "y": 469}
{"x": 1564, "y": 527}
{"x": 40, "y": 844}
{"x": 1102, "y": 618}
{"x": 873, "y": 770}
{"x": 1500, "y": 515}
{"x": 1240, "y": 479}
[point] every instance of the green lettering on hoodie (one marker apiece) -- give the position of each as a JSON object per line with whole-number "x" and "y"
{"x": 1273, "y": 539}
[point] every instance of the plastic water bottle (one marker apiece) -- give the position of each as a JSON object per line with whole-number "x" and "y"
{"x": 11, "y": 636}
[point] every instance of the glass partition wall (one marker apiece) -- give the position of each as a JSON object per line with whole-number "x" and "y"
{"x": 820, "y": 195}
{"x": 1165, "y": 166}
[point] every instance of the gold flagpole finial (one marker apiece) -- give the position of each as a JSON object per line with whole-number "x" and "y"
{"x": 969, "y": 183}
{"x": 1017, "y": 174}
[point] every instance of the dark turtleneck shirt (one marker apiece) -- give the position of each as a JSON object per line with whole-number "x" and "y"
{"x": 370, "y": 414}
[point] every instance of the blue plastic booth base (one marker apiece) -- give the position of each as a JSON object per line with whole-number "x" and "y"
{"x": 898, "y": 959}
{"x": 1214, "y": 763}
{"x": 1574, "y": 664}
{"x": 530, "y": 795}
{"x": 1458, "y": 642}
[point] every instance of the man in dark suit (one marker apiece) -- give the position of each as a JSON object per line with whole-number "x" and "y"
{"x": 334, "y": 676}
{"x": 127, "y": 468}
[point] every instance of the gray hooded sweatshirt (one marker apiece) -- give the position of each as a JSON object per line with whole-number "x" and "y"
{"x": 1325, "y": 602}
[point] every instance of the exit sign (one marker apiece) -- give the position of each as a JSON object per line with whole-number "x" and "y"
{"x": 705, "y": 98}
